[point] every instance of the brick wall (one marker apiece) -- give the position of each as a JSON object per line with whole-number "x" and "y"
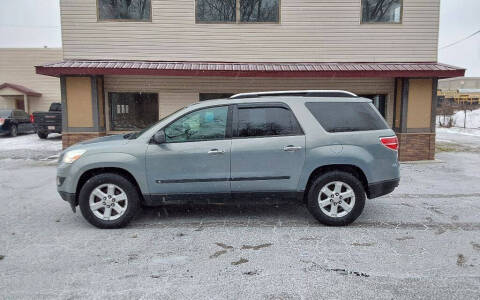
{"x": 416, "y": 146}
{"x": 68, "y": 139}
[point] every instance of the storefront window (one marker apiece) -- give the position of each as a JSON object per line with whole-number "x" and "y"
{"x": 132, "y": 111}
{"x": 210, "y": 96}
{"x": 379, "y": 101}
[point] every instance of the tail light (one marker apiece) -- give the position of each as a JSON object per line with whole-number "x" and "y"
{"x": 2, "y": 121}
{"x": 32, "y": 119}
{"x": 390, "y": 142}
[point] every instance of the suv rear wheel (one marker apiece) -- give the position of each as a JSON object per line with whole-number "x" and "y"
{"x": 42, "y": 134}
{"x": 109, "y": 200}
{"x": 336, "y": 198}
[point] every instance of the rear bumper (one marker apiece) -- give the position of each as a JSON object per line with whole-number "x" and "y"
{"x": 70, "y": 198}
{"x": 382, "y": 188}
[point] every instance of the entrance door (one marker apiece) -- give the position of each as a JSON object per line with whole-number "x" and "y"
{"x": 196, "y": 156}
{"x": 268, "y": 149}
{"x": 20, "y": 104}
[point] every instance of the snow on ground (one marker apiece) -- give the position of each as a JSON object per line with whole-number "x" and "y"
{"x": 458, "y": 139}
{"x": 473, "y": 119}
{"x": 30, "y": 146}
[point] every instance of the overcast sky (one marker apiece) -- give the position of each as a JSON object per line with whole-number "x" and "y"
{"x": 36, "y": 23}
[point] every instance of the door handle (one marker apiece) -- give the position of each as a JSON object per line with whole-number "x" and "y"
{"x": 216, "y": 151}
{"x": 291, "y": 148}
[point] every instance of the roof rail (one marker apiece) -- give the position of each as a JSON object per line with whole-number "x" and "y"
{"x": 304, "y": 93}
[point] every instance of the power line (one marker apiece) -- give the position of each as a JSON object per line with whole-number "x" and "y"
{"x": 459, "y": 41}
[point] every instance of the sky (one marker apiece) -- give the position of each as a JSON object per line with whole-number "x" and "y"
{"x": 36, "y": 23}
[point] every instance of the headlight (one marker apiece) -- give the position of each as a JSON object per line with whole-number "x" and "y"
{"x": 72, "y": 156}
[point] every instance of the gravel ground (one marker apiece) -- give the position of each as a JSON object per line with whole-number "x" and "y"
{"x": 422, "y": 241}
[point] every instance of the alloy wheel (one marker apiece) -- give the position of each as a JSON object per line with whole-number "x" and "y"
{"x": 108, "y": 202}
{"x": 336, "y": 199}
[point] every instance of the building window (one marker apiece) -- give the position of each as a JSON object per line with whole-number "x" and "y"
{"x": 382, "y": 11}
{"x": 267, "y": 121}
{"x": 132, "y": 111}
{"x": 379, "y": 101}
{"x": 210, "y": 96}
{"x": 237, "y": 11}
{"x": 124, "y": 10}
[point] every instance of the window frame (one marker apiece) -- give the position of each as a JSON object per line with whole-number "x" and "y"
{"x": 239, "y": 106}
{"x": 123, "y": 20}
{"x": 400, "y": 22}
{"x": 228, "y": 131}
{"x": 238, "y": 16}
{"x": 109, "y": 111}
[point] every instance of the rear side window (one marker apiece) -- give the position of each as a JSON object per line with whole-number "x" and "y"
{"x": 267, "y": 121}
{"x": 346, "y": 117}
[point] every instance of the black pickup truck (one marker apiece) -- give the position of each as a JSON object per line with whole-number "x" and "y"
{"x": 48, "y": 122}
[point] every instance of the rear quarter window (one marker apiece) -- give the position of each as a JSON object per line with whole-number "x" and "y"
{"x": 347, "y": 116}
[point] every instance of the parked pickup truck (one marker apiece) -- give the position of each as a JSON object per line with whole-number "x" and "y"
{"x": 48, "y": 122}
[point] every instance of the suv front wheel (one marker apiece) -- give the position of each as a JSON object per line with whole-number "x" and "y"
{"x": 336, "y": 198}
{"x": 109, "y": 200}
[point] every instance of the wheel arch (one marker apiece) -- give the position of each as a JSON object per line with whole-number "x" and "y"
{"x": 86, "y": 175}
{"x": 348, "y": 168}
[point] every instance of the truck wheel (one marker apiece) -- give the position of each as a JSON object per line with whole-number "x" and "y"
{"x": 336, "y": 198}
{"x": 13, "y": 131}
{"x": 109, "y": 201}
{"x": 42, "y": 134}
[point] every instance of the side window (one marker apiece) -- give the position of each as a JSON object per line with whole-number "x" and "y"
{"x": 267, "y": 121}
{"x": 201, "y": 125}
{"x": 346, "y": 116}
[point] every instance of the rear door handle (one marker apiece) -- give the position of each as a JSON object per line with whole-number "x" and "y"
{"x": 216, "y": 152}
{"x": 291, "y": 148}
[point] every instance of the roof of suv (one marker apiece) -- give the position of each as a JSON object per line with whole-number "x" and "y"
{"x": 286, "y": 99}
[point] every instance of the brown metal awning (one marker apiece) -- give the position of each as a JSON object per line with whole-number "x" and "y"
{"x": 163, "y": 68}
{"x": 20, "y": 88}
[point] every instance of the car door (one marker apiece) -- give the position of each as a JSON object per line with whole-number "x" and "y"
{"x": 195, "y": 159}
{"x": 268, "y": 149}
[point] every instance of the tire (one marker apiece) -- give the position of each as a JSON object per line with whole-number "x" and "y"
{"x": 348, "y": 208}
{"x": 122, "y": 188}
{"x": 13, "y": 130}
{"x": 42, "y": 134}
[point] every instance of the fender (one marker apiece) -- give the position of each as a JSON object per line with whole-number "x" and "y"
{"x": 333, "y": 155}
{"x": 127, "y": 162}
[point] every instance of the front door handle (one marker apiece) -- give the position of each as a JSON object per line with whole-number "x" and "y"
{"x": 216, "y": 152}
{"x": 291, "y": 148}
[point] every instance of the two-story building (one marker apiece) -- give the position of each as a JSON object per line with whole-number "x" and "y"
{"x": 128, "y": 63}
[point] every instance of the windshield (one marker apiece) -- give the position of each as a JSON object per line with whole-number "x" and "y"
{"x": 134, "y": 135}
{"x": 5, "y": 113}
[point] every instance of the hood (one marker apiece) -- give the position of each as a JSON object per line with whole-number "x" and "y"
{"x": 108, "y": 138}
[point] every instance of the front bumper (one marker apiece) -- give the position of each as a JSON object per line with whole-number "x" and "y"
{"x": 382, "y": 188}
{"x": 70, "y": 198}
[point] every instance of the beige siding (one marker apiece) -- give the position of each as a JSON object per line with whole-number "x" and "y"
{"x": 18, "y": 66}
{"x": 176, "y": 92}
{"x": 309, "y": 31}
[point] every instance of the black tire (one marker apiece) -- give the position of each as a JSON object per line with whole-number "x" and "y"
{"x": 323, "y": 180}
{"x": 42, "y": 134}
{"x": 13, "y": 130}
{"x": 109, "y": 178}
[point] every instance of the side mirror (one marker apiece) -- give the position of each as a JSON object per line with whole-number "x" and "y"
{"x": 159, "y": 138}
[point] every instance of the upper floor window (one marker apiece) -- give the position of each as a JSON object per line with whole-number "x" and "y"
{"x": 124, "y": 10}
{"x": 382, "y": 11}
{"x": 237, "y": 11}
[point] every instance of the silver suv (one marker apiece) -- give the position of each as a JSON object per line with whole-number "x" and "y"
{"x": 331, "y": 149}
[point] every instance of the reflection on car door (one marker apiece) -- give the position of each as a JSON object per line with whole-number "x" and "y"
{"x": 196, "y": 156}
{"x": 268, "y": 149}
